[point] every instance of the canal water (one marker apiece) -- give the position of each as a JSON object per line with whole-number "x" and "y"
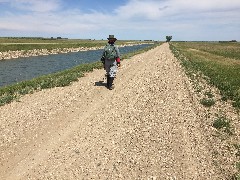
{"x": 16, "y": 70}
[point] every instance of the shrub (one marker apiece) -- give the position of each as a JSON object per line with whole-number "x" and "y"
{"x": 208, "y": 102}
{"x": 222, "y": 123}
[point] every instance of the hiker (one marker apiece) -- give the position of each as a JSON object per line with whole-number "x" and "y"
{"x": 111, "y": 60}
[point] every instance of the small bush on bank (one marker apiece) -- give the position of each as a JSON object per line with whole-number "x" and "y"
{"x": 222, "y": 123}
{"x": 208, "y": 102}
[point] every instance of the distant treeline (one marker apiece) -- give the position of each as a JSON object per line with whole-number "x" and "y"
{"x": 23, "y": 37}
{"x": 41, "y": 38}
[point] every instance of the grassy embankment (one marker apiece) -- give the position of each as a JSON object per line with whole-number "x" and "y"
{"x": 219, "y": 65}
{"x": 59, "y": 79}
{"x": 14, "y": 44}
{"x": 220, "y": 62}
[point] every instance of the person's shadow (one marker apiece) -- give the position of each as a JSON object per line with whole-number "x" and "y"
{"x": 100, "y": 83}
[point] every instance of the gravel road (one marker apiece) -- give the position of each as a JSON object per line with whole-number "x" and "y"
{"x": 148, "y": 127}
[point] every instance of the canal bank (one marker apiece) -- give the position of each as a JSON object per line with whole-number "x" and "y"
{"x": 21, "y": 69}
{"x": 43, "y": 52}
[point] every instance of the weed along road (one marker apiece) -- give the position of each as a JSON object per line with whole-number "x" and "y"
{"x": 148, "y": 127}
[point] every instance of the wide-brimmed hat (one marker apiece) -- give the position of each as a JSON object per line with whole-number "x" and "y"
{"x": 112, "y": 37}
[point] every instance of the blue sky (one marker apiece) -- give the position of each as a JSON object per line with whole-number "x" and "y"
{"x": 126, "y": 19}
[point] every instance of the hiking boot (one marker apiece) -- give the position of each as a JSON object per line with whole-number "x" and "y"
{"x": 108, "y": 81}
{"x": 110, "y": 84}
{"x": 111, "y": 87}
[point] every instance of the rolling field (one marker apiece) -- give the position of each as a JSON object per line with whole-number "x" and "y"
{"x": 14, "y": 44}
{"x": 218, "y": 66}
{"x": 219, "y": 63}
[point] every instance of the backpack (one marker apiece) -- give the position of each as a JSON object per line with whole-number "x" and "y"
{"x": 110, "y": 52}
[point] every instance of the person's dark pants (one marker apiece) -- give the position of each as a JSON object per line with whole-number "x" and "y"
{"x": 109, "y": 81}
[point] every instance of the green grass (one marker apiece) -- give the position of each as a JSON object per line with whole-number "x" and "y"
{"x": 208, "y": 102}
{"x": 237, "y": 175}
{"x": 226, "y": 49}
{"x": 222, "y": 123}
{"x": 14, "y": 44}
{"x": 45, "y": 44}
{"x": 59, "y": 79}
{"x": 238, "y": 165}
{"x": 237, "y": 146}
{"x": 215, "y": 62}
{"x": 219, "y": 65}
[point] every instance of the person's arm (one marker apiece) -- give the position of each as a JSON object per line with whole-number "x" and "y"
{"x": 103, "y": 57}
{"x": 118, "y": 56}
{"x": 118, "y": 59}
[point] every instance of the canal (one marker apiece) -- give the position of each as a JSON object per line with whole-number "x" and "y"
{"x": 16, "y": 70}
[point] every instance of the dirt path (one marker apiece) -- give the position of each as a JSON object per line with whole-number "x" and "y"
{"x": 146, "y": 128}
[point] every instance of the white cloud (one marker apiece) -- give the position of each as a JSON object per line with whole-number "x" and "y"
{"x": 206, "y": 4}
{"x": 52, "y": 23}
{"x": 36, "y": 5}
{"x": 142, "y": 9}
{"x": 146, "y": 19}
{"x": 155, "y": 9}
